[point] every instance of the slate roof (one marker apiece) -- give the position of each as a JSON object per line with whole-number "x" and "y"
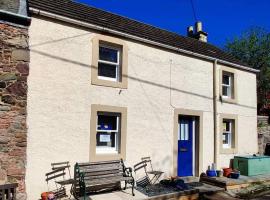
{"x": 88, "y": 14}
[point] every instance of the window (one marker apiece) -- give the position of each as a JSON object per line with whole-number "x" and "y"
{"x": 108, "y": 132}
{"x": 227, "y": 133}
{"x": 228, "y": 137}
{"x": 108, "y": 129}
{"x": 227, "y": 85}
{"x": 108, "y": 63}
{"x": 184, "y": 130}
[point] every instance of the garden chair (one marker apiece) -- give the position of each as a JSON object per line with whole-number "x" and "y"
{"x": 65, "y": 167}
{"x": 141, "y": 176}
{"x": 58, "y": 176}
{"x": 60, "y": 191}
{"x": 149, "y": 170}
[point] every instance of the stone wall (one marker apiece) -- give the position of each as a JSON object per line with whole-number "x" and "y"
{"x": 14, "y": 69}
{"x": 263, "y": 132}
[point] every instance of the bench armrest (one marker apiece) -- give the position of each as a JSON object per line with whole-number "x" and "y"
{"x": 128, "y": 171}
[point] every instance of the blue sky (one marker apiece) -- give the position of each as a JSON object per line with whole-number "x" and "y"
{"x": 222, "y": 19}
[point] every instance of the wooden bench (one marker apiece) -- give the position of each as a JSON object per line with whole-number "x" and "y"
{"x": 91, "y": 174}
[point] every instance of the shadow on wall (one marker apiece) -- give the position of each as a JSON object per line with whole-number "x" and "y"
{"x": 130, "y": 77}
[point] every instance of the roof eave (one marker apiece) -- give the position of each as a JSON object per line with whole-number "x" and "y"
{"x": 15, "y": 18}
{"x": 140, "y": 39}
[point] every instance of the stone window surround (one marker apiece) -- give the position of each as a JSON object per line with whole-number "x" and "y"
{"x": 234, "y": 148}
{"x": 95, "y": 108}
{"x": 123, "y": 62}
{"x": 195, "y": 113}
{"x": 234, "y": 92}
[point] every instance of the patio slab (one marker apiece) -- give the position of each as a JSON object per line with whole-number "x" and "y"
{"x": 242, "y": 182}
{"x": 119, "y": 195}
{"x": 126, "y": 195}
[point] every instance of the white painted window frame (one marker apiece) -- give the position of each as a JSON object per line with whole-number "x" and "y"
{"x": 110, "y": 150}
{"x": 228, "y": 86}
{"x": 116, "y": 64}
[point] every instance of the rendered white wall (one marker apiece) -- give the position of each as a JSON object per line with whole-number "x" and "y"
{"x": 60, "y": 95}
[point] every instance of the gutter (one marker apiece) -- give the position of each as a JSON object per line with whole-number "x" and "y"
{"x": 15, "y": 18}
{"x": 129, "y": 36}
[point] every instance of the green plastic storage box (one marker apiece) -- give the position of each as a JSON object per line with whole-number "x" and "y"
{"x": 252, "y": 165}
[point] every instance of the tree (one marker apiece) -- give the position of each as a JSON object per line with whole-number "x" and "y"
{"x": 253, "y": 48}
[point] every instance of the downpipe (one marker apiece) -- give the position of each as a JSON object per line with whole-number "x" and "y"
{"x": 215, "y": 108}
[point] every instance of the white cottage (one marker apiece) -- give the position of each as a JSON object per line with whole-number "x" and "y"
{"x": 104, "y": 87}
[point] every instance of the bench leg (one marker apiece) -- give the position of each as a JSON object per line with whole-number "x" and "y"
{"x": 125, "y": 185}
{"x": 133, "y": 183}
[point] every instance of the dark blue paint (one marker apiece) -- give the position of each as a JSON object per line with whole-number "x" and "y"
{"x": 185, "y": 153}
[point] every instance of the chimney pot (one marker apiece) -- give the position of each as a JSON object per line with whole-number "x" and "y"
{"x": 190, "y": 31}
{"x": 198, "y": 26}
{"x": 198, "y": 33}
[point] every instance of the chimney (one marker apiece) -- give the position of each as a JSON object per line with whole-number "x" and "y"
{"x": 198, "y": 34}
{"x": 190, "y": 31}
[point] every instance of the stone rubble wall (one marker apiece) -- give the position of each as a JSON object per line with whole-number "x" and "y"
{"x": 14, "y": 69}
{"x": 263, "y": 133}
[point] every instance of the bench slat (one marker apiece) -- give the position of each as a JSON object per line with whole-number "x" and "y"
{"x": 99, "y": 166}
{"x": 99, "y": 173}
{"x": 106, "y": 181}
{"x": 98, "y": 163}
{"x": 100, "y": 169}
{"x": 103, "y": 176}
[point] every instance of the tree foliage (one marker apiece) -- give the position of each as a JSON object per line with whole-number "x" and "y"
{"x": 253, "y": 48}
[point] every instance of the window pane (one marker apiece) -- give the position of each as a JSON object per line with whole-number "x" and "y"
{"x": 225, "y": 91}
{"x": 226, "y": 126}
{"x": 108, "y": 132}
{"x": 105, "y": 139}
{"x": 108, "y": 54}
{"x": 226, "y": 138}
{"x": 107, "y": 122}
{"x": 184, "y": 130}
{"x": 226, "y": 79}
{"x": 107, "y": 70}
{"x": 228, "y": 133}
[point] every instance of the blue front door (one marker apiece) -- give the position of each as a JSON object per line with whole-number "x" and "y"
{"x": 185, "y": 146}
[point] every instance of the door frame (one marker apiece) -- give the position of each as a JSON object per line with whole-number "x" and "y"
{"x": 199, "y": 144}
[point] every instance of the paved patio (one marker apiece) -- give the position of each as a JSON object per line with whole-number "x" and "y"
{"x": 119, "y": 195}
{"x": 126, "y": 194}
